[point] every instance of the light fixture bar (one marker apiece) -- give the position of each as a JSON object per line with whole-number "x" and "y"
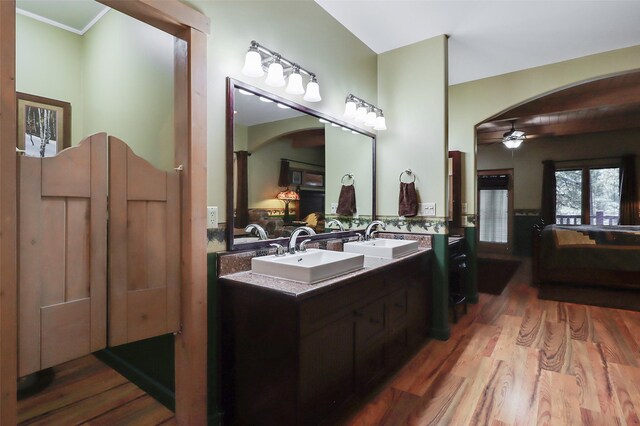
{"x": 283, "y": 60}
{"x": 364, "y": 112}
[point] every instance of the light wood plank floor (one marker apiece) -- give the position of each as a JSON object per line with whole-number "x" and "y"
{"x": 88, "y": 392}
{"x": 517, "y": 360}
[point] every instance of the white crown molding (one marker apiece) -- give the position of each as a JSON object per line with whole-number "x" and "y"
{"x": 62, "y": 26}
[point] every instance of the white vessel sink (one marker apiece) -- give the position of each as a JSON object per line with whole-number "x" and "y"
{"x": 308, "y": 267}
{"x": 389, "y": 249}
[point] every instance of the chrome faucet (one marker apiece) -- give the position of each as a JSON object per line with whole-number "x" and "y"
{"x": 334, "y": 222}
{"x": 294, "y": 236}
{"x": 259, "y": 229}
{"x": 368, "y": 232}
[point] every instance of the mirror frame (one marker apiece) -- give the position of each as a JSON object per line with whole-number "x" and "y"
{"x": 233, "y": 84}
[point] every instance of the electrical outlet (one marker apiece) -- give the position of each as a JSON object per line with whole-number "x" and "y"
{"x": 212, "y": 217}
{"x": 428, "y": 209}
{"x": 334, "y": 208}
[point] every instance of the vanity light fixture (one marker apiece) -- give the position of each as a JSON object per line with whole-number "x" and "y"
{"x": 263, "y": 99}
{"x": 363, "y": 112}
{"x": 279, "y": 68}
{"x": 322, "y": 120}
{"x": 283, "y": 106}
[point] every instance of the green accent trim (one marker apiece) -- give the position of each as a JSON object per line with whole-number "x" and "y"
{"x": 213, "y": 384}
{"x": 150, "y": 385}
{"x": 440, "y": 288}
{"x": 440, "y": 334}
{"x": 471, "y": 284}
{"x": 417, "y": 224}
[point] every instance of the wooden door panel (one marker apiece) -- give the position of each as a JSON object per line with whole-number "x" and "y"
{"x": 66, "y": 332}
{"x": 62, "y": 255}
{"x": 147, "y": 313}
{"x": 144, "y": 248}
{"x": 67, "y": 175}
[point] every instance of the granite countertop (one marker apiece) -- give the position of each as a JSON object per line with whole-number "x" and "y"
{"x": 302, "y": 290}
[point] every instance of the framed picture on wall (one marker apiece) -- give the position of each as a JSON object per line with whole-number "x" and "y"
{"x": 44, "y": 125}
{"x": 296, "y": 177}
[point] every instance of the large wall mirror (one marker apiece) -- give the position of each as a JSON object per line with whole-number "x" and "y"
{"x": 287, "y": 165}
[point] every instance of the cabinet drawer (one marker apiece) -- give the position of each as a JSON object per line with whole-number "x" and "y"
{"x": 398, "y": 345}
{"x": 323, "y": 309}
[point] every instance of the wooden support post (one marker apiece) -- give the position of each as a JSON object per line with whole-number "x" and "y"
{"x": 8, "y": 216}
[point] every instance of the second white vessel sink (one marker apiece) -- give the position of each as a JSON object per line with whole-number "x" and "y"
{"x": 308, "y": 267}
{"x": 382, "y": 247}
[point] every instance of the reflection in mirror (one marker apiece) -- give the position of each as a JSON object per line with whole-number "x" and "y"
{"x": 289, "y": 166}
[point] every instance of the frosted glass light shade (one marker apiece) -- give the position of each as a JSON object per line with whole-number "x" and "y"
{"x": 361, "y": 114}
{"x": 512, "y": 143}
{"x": 313, "y": 92}
{"x": 381, "y": 123}
{"x": 275, "y": 76}
{"x": 350, "y": 109}
{"x": 371, "y": 119}
{"x": 253, "y": 64}
{"x": 295, "y": 84}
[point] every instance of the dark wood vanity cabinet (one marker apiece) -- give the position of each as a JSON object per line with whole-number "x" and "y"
{"x": 296, "y": 360}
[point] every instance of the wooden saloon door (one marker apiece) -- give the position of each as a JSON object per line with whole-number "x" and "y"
{"x": 63, "y": 252}
{"x": 144, "y": 247}
{"x": 62, "y": 255}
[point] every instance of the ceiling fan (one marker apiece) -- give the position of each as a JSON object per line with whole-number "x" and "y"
{"x": 513, "y": 138}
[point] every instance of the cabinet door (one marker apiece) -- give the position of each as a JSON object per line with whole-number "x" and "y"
{"x": 371, "y": 335}
{"x": 326, "y": 370}
{"x": 417, "y": 309}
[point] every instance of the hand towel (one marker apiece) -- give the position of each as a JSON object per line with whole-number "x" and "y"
{"x": 347, "y": 201}
{"x": 408, "y": 203}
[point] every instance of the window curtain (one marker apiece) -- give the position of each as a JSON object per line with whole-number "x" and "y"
{"x": 548, "y": 203}
{"x": 242, "y": 192}
{"x": 628, "y": 191}
{"x": 283, "y": 178}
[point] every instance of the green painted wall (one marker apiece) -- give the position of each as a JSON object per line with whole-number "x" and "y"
{"x": 346, "y": 152}
{"x": 300, "y": 30}
{"x": 118, "y": 78}
{"x": 128, "y": 69}
{"x": 412, "y": 84}
{"x": 473, "y": 102}
{"x": 264, "y": 170}
{"x": 49, "y": 64}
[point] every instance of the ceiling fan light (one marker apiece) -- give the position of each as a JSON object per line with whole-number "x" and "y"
{"x": 512, "y": 143}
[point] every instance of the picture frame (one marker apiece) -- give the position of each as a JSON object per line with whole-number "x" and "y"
{"x": 296, "y": 177}
{"x": 44, "y": 125}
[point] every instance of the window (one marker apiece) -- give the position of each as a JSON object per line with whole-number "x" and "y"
{"x": 588, "y": 195}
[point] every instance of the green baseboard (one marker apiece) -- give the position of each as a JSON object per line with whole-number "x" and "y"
{"x": 440, "y": 333}
{"x": 157, "y": 390}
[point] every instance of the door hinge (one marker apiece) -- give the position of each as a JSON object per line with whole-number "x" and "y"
{"x": 179, "y": 331}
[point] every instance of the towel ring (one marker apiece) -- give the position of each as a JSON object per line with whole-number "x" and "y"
{"x": 348, "y": 176}
{"x": 410, "y": 173}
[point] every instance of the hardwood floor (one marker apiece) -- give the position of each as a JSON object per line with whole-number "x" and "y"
{"x": 87, "y": 392}
{"x": 517, "y": 360}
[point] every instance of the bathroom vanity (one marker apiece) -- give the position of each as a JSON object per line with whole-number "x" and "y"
{"x": 296, "y": 353}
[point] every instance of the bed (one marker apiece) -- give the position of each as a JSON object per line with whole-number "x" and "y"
{"x": 588, "y": 255}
